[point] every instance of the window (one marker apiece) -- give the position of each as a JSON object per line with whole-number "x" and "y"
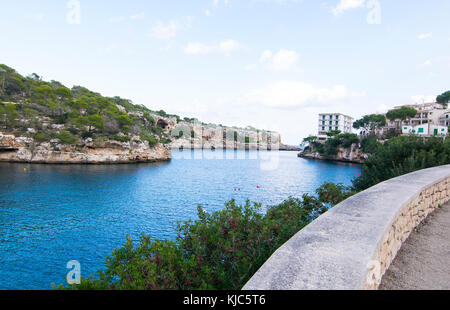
{"x": 420, "y": 130}
{"x": 323, "y": 128}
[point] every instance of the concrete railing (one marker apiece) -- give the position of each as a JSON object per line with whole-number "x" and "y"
{"x": 352, "y": 245}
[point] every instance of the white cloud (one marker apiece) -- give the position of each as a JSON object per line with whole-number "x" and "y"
{"x": 207, "y": 12}
{"x": 229, "y": 46}
{"x": 169, "y": 30}
{"x": 427, "y": 63}
{"x": 423, "y": 98}
{"x": 425, "y": 36}
{"x": 138, "y": 16}
{"x": 163, "y": 31}
{"x": 120, "y": 19}
{"x": 281, "y": 61}
{"x": 345, "y": 5}
{"x": 265, "y": 56}
{"x": 217, "y": 2}
{"x": 294, "y": 94}
{"x": 223, "y": 47}
{"x": 197, "y": 48}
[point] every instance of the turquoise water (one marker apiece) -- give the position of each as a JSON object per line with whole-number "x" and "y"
{"x": 51, "y": 214}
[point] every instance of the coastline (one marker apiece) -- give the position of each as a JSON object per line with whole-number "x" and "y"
{"x": 27, "y": 150}
{"x": 322, "y": 158}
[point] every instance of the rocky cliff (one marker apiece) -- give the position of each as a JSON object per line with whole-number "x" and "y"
{"x": 351, "y": 154}
{"x": 25, "y": 149}
{"x": 188, "y": 135}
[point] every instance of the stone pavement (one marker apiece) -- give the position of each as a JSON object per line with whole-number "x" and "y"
{"x": 423, "y": 262}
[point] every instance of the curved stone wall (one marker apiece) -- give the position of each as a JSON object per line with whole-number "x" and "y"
{"x": 352, "y": 245}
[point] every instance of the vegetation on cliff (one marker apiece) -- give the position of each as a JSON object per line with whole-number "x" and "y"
{"x": 44, "y": 111}
{"x": 49, "y": 111}
{"x": 331, "y": 147}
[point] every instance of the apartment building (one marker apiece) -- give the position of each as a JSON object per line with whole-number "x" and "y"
{"x": 334, "y": 121}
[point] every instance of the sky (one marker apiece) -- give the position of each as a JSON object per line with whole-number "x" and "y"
{"x": 271, "y": 64}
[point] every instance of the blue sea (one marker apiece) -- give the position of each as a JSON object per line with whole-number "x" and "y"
{"x": 52, "y": 214}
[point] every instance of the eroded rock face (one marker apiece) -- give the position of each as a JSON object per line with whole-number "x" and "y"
{"x": 352, "y": 154}
{"x": 21, "y": 149}
{"x": 198, "y": 136}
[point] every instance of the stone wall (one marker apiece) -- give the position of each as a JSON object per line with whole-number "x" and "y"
{"x": 353, "y": 245}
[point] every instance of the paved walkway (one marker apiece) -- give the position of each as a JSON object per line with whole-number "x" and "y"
{"x": 423, "y": 262}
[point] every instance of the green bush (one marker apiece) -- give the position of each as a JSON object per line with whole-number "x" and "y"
{"x": 333, "y": 194}
{"x": 370, "y": 144}
{"x": 66, "y": 137}
{"x": 122, "y": 138}
{"x": 402, "y": 155}
{"x": 41, "y": 137}
{"x": 331, "y": 146}
{"x": 221, "y": 250}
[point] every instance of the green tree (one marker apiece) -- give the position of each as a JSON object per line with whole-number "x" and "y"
{"x": 444, "y": 98}
{"x": 400, "y": 115}
{"x": 310, "y": 139}
{"x": 10, "y": 115}
{"x": 66, "y": 137}
{"x": 80, "y": 104}
{"x": 333, "y": 133}
{"x": 80, "y": 122}
{"x": 124, "y": 120}
{"x": 63, "y": 93}
{"x": 45, "y": 92}
{"x": 96, "y": 121}
{"x": 54, "y": 107}
{"x": 370, "y": 123}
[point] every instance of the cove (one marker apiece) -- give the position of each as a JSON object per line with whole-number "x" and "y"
{"x": 52, "y": 214}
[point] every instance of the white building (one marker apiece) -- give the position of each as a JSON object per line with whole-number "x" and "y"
{"x": 334, "y": 121}
{"x": 427, "y": 113}
{"x": 425, "y": 130}
{"x": 432, "y": 119}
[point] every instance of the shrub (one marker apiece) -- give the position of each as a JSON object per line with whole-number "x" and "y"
{"x": 221, "y": 250}
{"x": 348, "y": 139}
{"x": 41, "y": 137}
{"x": 333, "y": 194}
{"x": 370, "y": 144}
{"x": 122, "y": 138}
{"x": 66, "y": 137}
{"x": 402, "y": 155}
